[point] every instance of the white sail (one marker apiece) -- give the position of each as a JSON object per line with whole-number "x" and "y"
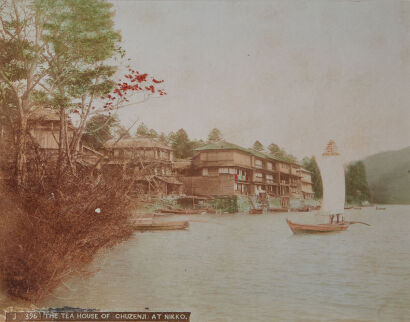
{"x": 333, "y": 178}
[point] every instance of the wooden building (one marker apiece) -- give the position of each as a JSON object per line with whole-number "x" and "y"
{"x": 224, "y": 168}
{"x": 152, "y": 159}
{"x": 306, "y": 186}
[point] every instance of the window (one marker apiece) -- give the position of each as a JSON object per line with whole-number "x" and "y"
{"x": 232, "y": 171}
{"x": 269, "y": 165}
{"x": 205, "y": 171}
{"x": 258, "y": 177}
{"x": 223, "y": 170}
{"x": 258, "y": 163}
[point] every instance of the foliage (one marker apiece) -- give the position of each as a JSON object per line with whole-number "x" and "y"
{"x": 214, "y": 136}
{"x": 99, "y": 129}
{"x": 388, "y": 176}
{"x": 182, "y": 146}
{"x": 357, "y": 188}
{"x": 163, "y": 138}
{"x": 61, "y": 54}
{"x": 311, "y": 165}
{"x": 275, "y": 149}
{"x": 48, "y": 239}
{"x": 281, "y": 153}
{"x": 143, "y": 131}
{"x": 258, "y": 146}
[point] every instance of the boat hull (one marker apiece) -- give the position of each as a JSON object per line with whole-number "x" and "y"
{"x": 173, "y": 225}
{"x": 313, "y": 229}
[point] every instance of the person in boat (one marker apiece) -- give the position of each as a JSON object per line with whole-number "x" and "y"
{"x": 331, "y": 218}
{"x": 337, "y": 219}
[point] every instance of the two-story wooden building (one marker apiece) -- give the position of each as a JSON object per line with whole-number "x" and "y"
{"x": 152, "y": 159}
{"x": 224, "y": 168}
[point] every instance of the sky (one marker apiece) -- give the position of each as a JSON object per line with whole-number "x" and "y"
{"x": 294, "y": 73}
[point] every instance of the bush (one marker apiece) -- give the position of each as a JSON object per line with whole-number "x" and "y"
{"x": 50, "y": 234}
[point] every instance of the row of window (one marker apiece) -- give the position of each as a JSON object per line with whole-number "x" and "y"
{"x": 259, "y": 164}
{"x": 141, "y": 153}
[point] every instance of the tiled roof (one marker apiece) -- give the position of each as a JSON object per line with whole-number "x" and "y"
{"x": 45, "y": 114}
{"x": 136, "y": 143}
{"x": 223, "y": 145}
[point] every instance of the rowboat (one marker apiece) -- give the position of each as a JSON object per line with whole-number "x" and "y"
{"x": 256, "y": 211}
{"x": 278, "y": 210}
{"x": 170, "y": 225}
{"x": 182, "y": 211}
{"x": 320, "y": 228}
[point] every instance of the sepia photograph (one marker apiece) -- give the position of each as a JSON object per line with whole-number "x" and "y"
{"x": 204, "y": 160}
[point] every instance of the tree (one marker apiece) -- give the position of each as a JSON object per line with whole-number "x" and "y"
{"x": 276, "y": 150}
{"x": 357, "y": 188}
{"x": 59, "y": 54}
{"x": 99, "y": 129}
{"x": 258, "y": 146}
{"x": 152, "y": 133}
{"x": 311, "y": 165}
{"x": 181, "y": 145}
{"x": 142, "y": 130}
{"x": 214, "y": 136}
{"x": 121, "y": 132}
{"x": 21, "y": 69}
{"x": 79, "y": 40}
{"x": 163, "y": 138}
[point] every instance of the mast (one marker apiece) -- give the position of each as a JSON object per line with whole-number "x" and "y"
{"x": 333, "y": 178}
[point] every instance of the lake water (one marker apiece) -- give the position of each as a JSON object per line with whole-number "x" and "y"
{"x": 252, "y": 268}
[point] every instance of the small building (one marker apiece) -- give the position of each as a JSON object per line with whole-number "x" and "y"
{"x": 151, "y": 159}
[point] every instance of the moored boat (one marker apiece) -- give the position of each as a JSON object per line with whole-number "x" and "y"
{"x": 278, "y": 210}
{"x": 182, "y": 211}
{"x": 170, "y": 225}
{"x": 256, "y": 211}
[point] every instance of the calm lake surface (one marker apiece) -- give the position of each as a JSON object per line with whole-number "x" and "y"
{"x": 252, "y": 268}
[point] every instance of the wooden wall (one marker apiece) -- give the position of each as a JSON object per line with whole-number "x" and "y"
{"x": 208, "y": 186}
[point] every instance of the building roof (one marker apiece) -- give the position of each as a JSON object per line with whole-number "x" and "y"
{"x": 45, "y": 114}
{"x": 223, "y": 145}
{"x": 135, "y": 143}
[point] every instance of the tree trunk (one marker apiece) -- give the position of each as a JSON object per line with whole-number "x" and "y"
{"x": 21, "y": 152}
{"x": 61, "y": 146}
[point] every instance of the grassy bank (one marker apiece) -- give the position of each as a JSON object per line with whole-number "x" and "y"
{"x": 48, "y": 235}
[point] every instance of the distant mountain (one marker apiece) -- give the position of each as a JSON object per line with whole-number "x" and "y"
{"x": 388, "y": 175}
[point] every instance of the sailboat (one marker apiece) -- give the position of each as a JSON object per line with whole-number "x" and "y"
{"x": 333, "y": 179}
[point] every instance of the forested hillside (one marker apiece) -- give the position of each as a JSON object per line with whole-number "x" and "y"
{"x": 388, "y": 174}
